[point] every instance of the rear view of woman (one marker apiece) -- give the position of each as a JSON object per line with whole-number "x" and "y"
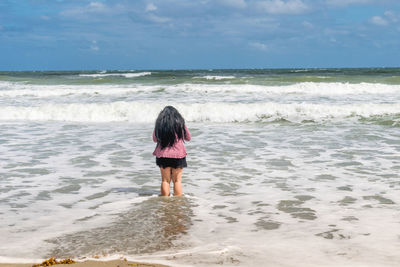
{"x": 170, "y": 132}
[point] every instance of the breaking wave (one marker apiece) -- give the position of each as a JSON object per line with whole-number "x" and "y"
{"x": 15, "y": 89}
{"x": 126, "y": 75}
{"x": 208, "y": 112}
{"x": 214, "y": 77}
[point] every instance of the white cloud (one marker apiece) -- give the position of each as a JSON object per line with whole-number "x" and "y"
{"x": 335, "y": 32}
{"x": 45, "y": 17}
{"x": 150, "y": 7}
{"x": 94, "y": 46}
{"x": 158, "y": 19}
{"x": 377, "y": 20}
{"x": 308, "y": 24}
{"x": 390, "y": 15}
{"x": 234, "y": 3}
{"x": 259, "y": 46}
{"x": 343, "y": 3}
{"x": 283, "y": 7}
{"x": 96, "y": 6}
{"x": 384, "y": 20}
{"x": 92, "y": 7}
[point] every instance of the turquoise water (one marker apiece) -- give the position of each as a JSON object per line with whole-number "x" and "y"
{"x": 299, "y": 161}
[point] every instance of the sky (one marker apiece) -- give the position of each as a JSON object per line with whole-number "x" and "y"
{"x": 198, "y": 34}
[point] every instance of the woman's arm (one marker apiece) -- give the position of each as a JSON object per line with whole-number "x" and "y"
{"x": 154, "y": 136}
{"x": 187, "y": 136}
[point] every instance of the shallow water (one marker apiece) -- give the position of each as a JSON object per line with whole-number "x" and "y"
{"x": 315, "y": 180}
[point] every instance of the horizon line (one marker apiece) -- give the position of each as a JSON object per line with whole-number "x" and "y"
{"x": 196, "y": 69}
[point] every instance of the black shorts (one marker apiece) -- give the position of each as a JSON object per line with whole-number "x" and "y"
{"x": 171, "y": 162}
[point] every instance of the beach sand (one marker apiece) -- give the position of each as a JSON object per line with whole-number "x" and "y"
{"x": 113, "y": 263}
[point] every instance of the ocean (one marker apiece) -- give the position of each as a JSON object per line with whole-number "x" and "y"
{"x": 286, "y": 167}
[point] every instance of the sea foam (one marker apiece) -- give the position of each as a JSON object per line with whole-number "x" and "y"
{"x": 214, "y": 77}
{"x": 305, "y": 88}
{"x": 16, "y": 89}
{"x": 141, "y": 112}
{"x": 126, "y": 75}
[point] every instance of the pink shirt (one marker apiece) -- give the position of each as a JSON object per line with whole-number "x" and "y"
{"x": 176, "y": 151}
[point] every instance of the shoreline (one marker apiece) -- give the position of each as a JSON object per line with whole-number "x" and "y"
{"x": 93, "y": 263}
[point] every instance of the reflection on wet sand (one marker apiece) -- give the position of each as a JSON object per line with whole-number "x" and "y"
{"x": 150, "y": 226}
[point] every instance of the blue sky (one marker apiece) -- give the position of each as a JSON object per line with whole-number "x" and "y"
{"x": 193, "y": 34}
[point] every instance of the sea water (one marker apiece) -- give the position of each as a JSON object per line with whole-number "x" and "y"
{"x": 292, "y": 167}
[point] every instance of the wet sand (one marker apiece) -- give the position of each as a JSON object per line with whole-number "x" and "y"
{"x": 113, "y": 263}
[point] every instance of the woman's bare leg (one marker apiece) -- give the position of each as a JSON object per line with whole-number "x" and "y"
{"x": 177, "y": 179}
{"x": 165, "y": 180}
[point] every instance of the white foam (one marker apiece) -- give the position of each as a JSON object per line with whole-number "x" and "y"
{"x": 63, "y": 90}
{"x": 306, "y": 88}
{"x": 41, "y": 222}
{"x": 211, "y": 241}
{"x": 16, "y": 89}
{"x": 12, "y": 260}
{"x": 140, "y": 112}
{"x": 215, "y": 77}
{"x": 126, "y": 75}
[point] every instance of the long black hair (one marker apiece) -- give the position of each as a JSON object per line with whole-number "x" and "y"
{"x": 170, "y": 126}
